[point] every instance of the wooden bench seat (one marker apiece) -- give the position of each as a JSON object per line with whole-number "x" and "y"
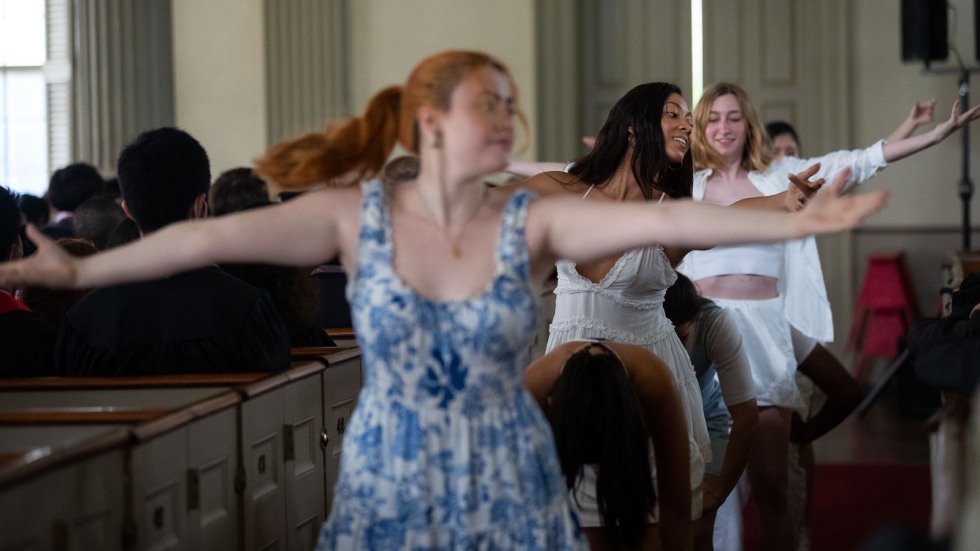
{"x": 240, "y": 461}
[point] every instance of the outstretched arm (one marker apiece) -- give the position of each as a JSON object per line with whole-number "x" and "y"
{"x": 582, "y": 232}
{"x": 843, "y": 395}
{"x": 275, "y": 235}
{"x": 801, "y": 188}
{"x": 903, "y": 148}
{"x": 921, "y": 113}
{"x": 533, "y": 168}
{"x": 724, "y": 347}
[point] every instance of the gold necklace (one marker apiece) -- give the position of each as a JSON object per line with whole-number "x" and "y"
{"x": 454, "y": 248}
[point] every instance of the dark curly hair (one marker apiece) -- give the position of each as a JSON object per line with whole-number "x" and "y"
{"x": 640, "y": 110}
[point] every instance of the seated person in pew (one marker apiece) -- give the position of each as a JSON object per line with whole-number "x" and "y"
{"x": 51, "y": 305}
{"x": 945, "y": 351}
{"x": 202, "y": 321}
{"x": 606, "y": 401}
{"x": 97, "y": 219}
{"x": 25, "y": 340}
{"x": 294, "y": 294}
{"x": 235, "y": 189}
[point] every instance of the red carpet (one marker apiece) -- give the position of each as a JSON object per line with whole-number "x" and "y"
{"x": 851, "y": 502}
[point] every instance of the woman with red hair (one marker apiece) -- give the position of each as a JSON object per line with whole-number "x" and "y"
{"x": 446, "y": 448}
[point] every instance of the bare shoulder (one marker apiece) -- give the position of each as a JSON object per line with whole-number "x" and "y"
{"x": 640, "y": 362}
{"x": 327, "y": 209}
{"x": 548, "y": 184}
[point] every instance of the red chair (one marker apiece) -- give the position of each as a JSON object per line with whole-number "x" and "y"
{"x": 885, "y": 309}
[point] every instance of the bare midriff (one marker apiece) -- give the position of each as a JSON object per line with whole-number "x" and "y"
{"x": 739, "y": 287}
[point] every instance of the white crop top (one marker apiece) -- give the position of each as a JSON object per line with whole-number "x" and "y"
{"x": 764, "y": 259}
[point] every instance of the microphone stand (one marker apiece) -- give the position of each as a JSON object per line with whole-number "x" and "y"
{"x": 966, "y": 185}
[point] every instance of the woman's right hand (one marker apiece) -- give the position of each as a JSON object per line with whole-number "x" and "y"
{"x": 49, "y": 266}
{"x": 801, "y": 188}
{"x": 956, "y": 120}
{"x": 832, "y": 211}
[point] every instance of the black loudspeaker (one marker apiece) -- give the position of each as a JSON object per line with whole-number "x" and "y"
{"x": 924, "y": 24}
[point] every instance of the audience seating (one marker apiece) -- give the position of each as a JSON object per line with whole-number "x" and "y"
{"x": 243, "y": 461}
{"x": 61, "y": 484}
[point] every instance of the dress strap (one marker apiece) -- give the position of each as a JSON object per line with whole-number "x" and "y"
{"x": 588, "y": 191}
{"x": 374, "y": 243}
{"x": 511, "y": 242}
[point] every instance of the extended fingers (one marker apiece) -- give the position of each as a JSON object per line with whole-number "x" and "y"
{"x": 806, "y": 186}
{"x": 923, "y": 112}
{"x": 37, "y": 236}
{"x": 808, "y": 172}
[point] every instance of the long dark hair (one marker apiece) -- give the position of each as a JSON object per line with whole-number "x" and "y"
{"x": 597, "y": 420}
{"x": 682, "y": 301}
{"x": 641, "y": 110}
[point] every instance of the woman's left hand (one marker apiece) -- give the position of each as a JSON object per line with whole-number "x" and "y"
{"x": 49, "y": 266}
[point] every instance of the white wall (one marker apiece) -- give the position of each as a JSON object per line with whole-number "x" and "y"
{"x": 220, "y": 73}
{"x": 884, "y": 88}
{"x": 388, "y": 38}
{"x": 219, "y": 78}
{"x": 924, "y": 216}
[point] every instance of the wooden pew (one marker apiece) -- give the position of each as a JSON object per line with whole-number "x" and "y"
{"x": 342, "y": 382}
{"x": 273, "y": 488}
{"x": 343, "y": 336}
{"x": 157, "y": 507}
{"x": 60, "y": 486}
{"x": 183, "y": 455}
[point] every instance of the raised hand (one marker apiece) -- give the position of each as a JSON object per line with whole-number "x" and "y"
{"x": 49, "y": 266}
{"x": 801, "y": 188}
{"x": 956, "y": 120}
{"x": 922, "y": 112}
{"x": 831, "y": 211}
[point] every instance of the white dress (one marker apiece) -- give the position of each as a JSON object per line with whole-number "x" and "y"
{"x": 627, "y": 306}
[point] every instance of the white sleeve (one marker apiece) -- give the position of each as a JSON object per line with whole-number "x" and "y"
{"x": 864, "y": 163}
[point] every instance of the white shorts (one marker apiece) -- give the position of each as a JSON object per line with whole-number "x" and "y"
{"x": 768, "y": 343}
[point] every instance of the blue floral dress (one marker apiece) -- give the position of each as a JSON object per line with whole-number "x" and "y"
{"x": 446, "y": 449}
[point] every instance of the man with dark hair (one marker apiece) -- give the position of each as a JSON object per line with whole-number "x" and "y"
{"x": 202, "y": 321}
{"x": 25, "y": 340}
{"x": 97, "y": 218}
{"x": 69, "y": 187}
{"x": 235, "y": 189}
